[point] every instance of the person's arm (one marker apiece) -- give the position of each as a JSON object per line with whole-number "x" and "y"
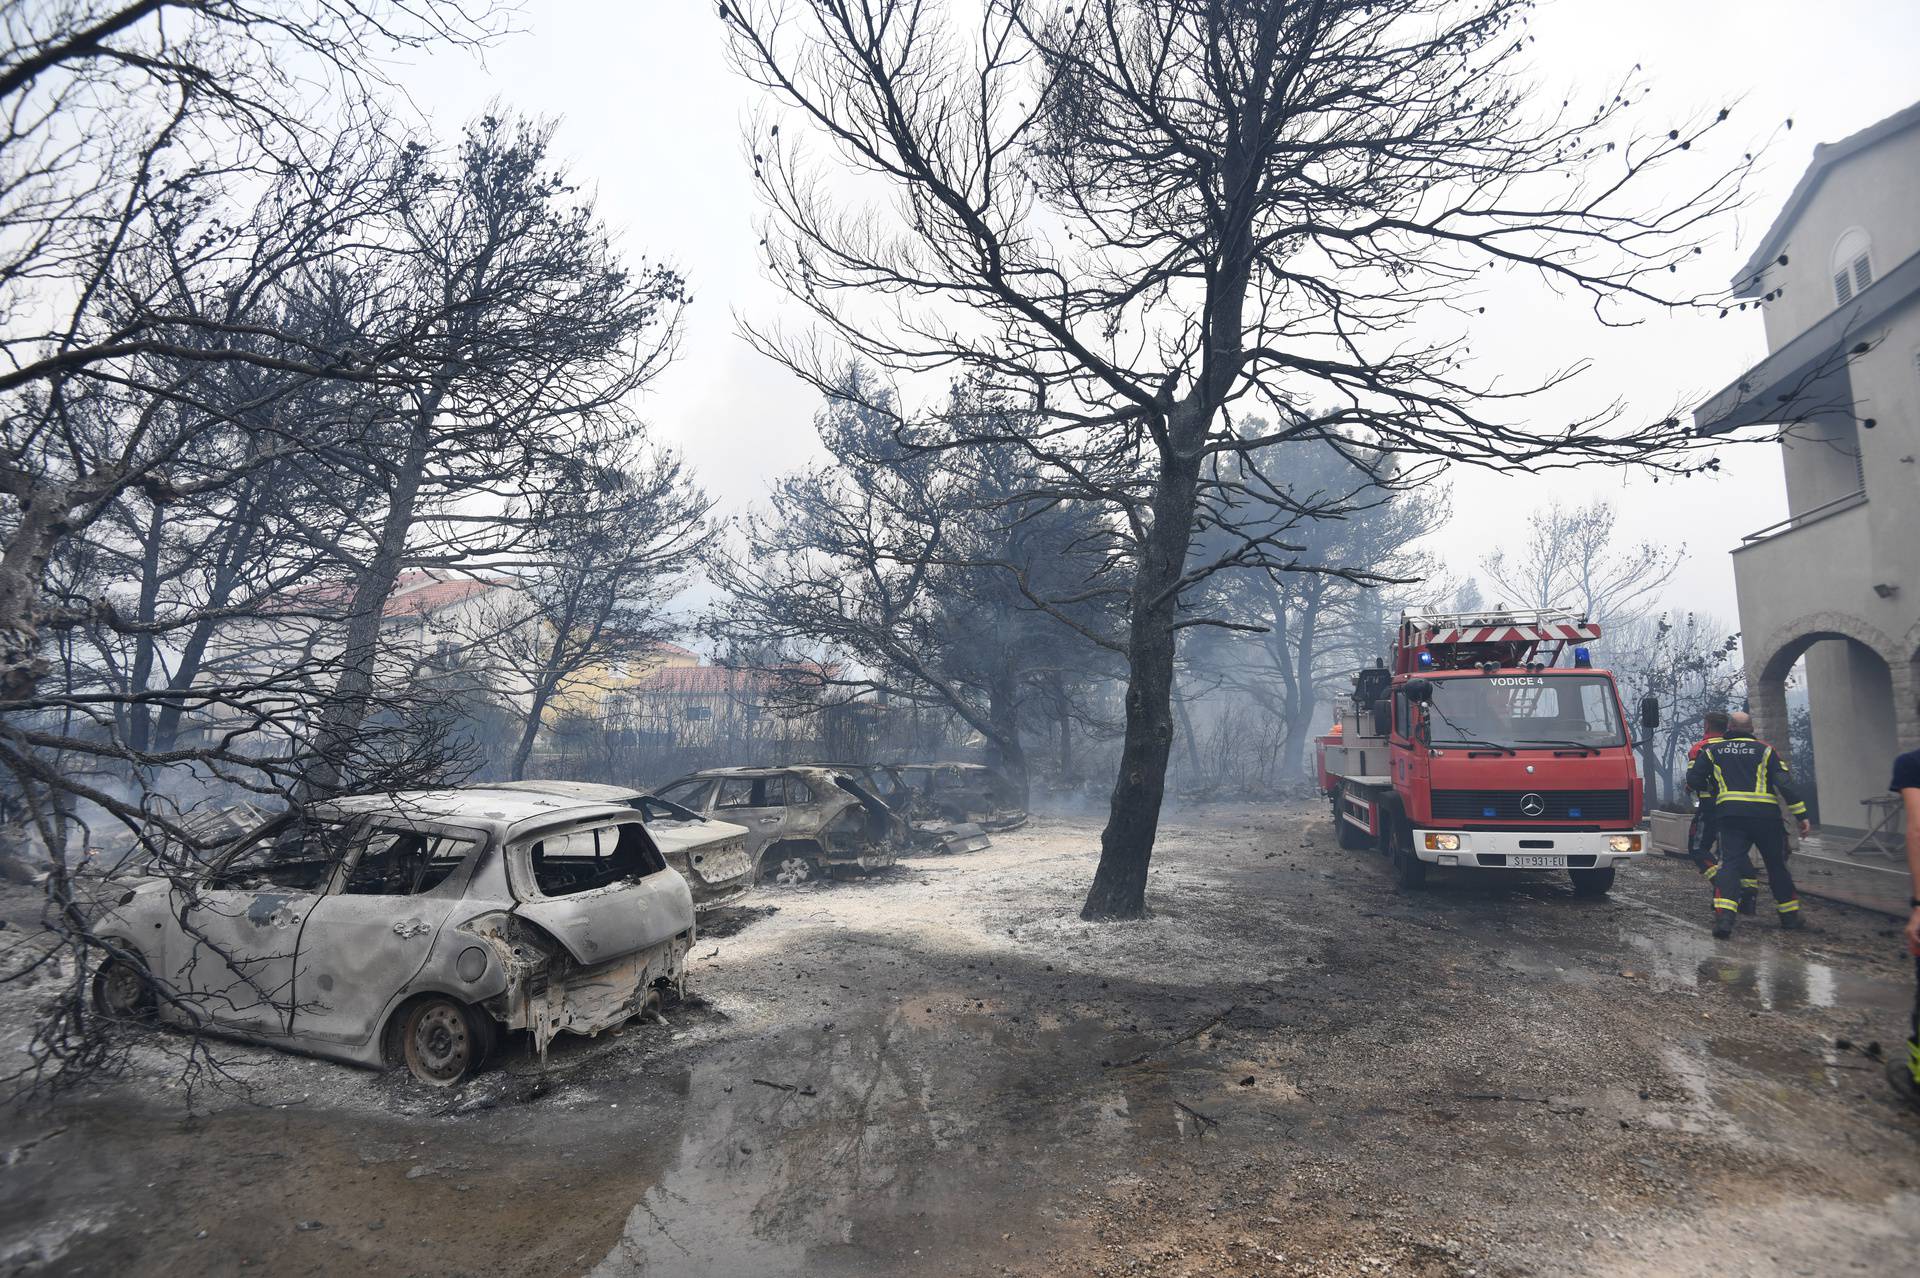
{"x": 1781, "y": 779}
{"x": 1700, "y": 774}
{"x": 1910, "y": 796}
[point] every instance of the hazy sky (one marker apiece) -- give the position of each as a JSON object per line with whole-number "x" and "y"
{"x": 650, "y": 115}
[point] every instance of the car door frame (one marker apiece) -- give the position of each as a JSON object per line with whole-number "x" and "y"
{"x": 388, "y": 941}
{"x": 258, "y": 927}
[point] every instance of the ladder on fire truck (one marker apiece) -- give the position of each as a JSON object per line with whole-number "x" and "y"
{"x": 1507, "y": 636}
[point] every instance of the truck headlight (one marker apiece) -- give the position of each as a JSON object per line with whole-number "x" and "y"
{"x": 1624, "y": 843}
{"x": 1443, "y": 843}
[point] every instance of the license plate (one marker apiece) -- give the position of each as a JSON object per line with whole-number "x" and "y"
{"x": 1537, "y": 862}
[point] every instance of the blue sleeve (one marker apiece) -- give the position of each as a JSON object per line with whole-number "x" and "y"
{"x": 1906, "y": 772}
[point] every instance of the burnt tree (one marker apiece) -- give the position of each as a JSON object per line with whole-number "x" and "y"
{"x": 1142, "y": 218}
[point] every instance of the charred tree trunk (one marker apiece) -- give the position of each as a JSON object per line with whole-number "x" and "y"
{"x": 1196, "y": 768}
{"x": 1063, "y": 709}
{"x": 530, "y": 732}
{"x": 360, "y": 649}
{"x": 44, "y": 516}
{"x": 139, "y": 726}
{"x": 235, "y": 551}
{"x": 1301, "y": 705}
{"x": 1119, "y": 888}
{"x": 1003, "y": 711}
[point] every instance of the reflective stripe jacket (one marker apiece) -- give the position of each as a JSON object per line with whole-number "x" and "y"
{"x": 1743, "y": 775}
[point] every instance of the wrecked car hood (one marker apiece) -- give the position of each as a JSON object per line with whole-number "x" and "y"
{"x": 606, "y": 923}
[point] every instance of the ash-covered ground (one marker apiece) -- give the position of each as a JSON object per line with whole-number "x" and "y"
{"x": 1289, "y": 1069}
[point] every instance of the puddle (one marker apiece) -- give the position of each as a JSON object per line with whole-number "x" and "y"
{"x": 895, "y": 1144}
{"x": 1758, "y": 974}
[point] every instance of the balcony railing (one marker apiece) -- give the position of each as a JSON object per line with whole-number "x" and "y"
{"x": 1825, "y": 510}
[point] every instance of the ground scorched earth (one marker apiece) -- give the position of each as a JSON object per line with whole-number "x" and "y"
{"x": 1290, "y": 1068}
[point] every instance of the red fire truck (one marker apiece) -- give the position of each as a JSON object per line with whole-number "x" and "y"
{"x": 1478, "y": 749}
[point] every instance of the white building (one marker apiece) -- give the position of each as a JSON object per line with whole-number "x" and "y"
{"x": 1836, "y": 279}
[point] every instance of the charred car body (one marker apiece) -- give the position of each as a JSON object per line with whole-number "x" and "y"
{"x": 409, "y": 928}
{"x": 711, "y": 856}
{"x": 803, "y": 823}
{"x": 963, "y": 792}
{"x": 925, "y": 828}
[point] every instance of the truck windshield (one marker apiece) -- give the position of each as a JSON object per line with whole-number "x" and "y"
{"x": 1526, "y": 712}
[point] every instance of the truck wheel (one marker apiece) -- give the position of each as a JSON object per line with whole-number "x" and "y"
{"x": 1409, "y": 871}
{"x": 1591, "y": 882}
{"x": 1346, "y": 833}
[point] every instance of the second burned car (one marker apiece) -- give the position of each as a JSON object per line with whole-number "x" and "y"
{"x": 712, "y": 856}
{"x": 803, "y": 823}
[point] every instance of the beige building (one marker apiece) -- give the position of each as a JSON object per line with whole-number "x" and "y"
{"x": 1836, "y": 279}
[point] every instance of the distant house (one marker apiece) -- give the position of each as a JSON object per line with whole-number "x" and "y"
{"x": 1836, "y": 279}
{"x": 701, "y": 704}
{"x": 608, "y": 689}
{"x": 435, "y": 626}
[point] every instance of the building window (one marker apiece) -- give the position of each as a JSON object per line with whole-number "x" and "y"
{"x": 697, "y": 713}
{"x": 1852, "y": 266}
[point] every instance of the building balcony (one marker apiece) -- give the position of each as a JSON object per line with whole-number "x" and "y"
{"x": 1806, "y": 518}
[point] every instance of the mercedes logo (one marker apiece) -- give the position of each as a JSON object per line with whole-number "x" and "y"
{"x": 1532, "y": 804}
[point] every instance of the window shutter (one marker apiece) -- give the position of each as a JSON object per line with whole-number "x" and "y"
{"x": 1862, "y": 273}
{"x": 1843, "y": 288}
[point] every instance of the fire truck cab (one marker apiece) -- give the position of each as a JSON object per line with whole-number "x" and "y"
{"x": 1478, "y": 749}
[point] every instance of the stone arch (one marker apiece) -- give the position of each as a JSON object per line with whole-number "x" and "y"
{"x": 1906, "y": 689}
{"x": 1859, "y": 735}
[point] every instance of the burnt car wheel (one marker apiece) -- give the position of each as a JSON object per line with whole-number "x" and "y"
{"x": 791, "y": 870}
{"x": 121, "y": 991}
{"x": 443, "y": 1041}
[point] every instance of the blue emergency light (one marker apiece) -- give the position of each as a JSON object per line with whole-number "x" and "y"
{"x": 1582, "y": 659}
{"x": 1425, "y": 659}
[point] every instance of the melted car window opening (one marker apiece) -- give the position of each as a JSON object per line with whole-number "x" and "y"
{"x": 740, "y": 792}
{"x": 405, "y": 863}
{"x": 582, "y": 860}
{"x": 299, "y": 855}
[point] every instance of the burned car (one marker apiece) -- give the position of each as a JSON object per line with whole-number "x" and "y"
{"x": 803, "y": 823}
{"x": 925, "y": 829}
{"x": 413, "y": 928}
{"x": 971, "y": 792}
{"x": 711, "y": 856}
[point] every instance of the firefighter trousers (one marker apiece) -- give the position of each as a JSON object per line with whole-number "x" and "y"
{"x": 1742, "y": 834}
{"x": 1701, "y": 835}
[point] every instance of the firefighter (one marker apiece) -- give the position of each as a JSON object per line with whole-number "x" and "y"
{"x": 1702, "y": 833}
{"x": 1748, "y": 780}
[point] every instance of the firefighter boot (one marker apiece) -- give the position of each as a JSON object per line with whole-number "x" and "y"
{"x": 1724, "y": 913}
{"x": 1790, "y": 917}
{"x": 1749, "y": 895}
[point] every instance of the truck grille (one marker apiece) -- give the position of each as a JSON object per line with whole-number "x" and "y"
{"x": 1505, "y": 805}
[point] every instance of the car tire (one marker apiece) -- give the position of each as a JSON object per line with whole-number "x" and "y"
{"x": 1592, "y": 883}
{"x": 1409, "y": 871}
{"x": 793, "y": 869}
{"x": 443, "y": 1041}
{"x": 123, "y": 991}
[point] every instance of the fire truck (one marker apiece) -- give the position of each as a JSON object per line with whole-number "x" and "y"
{"x": 1478, "y": 749}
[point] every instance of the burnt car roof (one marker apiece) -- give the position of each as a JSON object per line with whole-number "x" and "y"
{"x": 774, "y": 769}
{"x": 489, "y": 808}
{"x": 594, "y": 791}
